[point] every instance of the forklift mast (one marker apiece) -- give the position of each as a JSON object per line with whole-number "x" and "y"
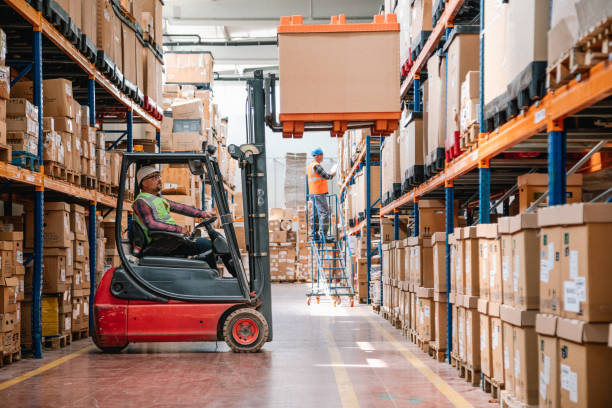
{"x": 252, "y": 160}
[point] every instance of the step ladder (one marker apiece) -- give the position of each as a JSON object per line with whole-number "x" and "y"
{"x": 329, "y": 255}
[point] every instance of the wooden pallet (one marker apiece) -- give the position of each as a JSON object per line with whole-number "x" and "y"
{"x": 423, "y": 344}
{"x": 55, "y": 342}
{"x": 470, "y": 374}
{"x": 73, "y": 177}
{"x": 88, "y": 182}
{"x": 81, "y": 334}
{"x": 5, "y": 153}
{"x": 9, "y": 358}
{"x": 507, "y": 400}
{"x": 489, "y": 385}
{"x": 455, "y": 361}
{"x": 104, "y": 188}
{"x": 55, "y": 170}
{"x": 25, "y": 160}
{"x": 436, "y": 352}
{"x": 592, "y": 48}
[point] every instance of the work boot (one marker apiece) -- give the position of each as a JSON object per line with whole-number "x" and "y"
{"x": 316, "y": 237}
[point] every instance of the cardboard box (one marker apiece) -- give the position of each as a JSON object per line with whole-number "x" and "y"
{"x": 508, "y": 341}
{"x": 426, "y": 319}
{"x": 533, "y": 185}
{"x": 7, "y": 323}
{"x": 8, "y": 294}
{"x": 20, "y": 107}
{"x": 518, "y": 317}
{"x": 440, "y": 324}
{"x": 584, "y": 374}
{"x": 469, "y": 241}
{"x": 472, "y": 337}
{"x": 497, "y": 349}
{"x": 525, "y": 365}
{"x": 57, "y": 233}
{"x": 436, "y": 74}
{"x": 548, "y": 371}
{"x": 340, "y": 64}
{"x": 584, "y": 258}
{"x": 21, "y": 124}
{"x": 189, "y": 68}
{"x": 487, "y": 236}
{"x": 57, "y": 96}
{"x": 54, "y": 274}
{"x": 439, "y": 261}
{"x": 496, "y": 62}
{"x": 486, "y": 360}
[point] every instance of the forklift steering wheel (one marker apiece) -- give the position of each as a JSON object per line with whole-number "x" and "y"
{"x": 207, "y": 224}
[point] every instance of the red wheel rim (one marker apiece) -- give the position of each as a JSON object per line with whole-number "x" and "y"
{"x": 245, "y": 331}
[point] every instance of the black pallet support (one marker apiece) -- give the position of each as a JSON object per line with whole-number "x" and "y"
{"x": 419, "y": 43}
{"x": 528, "y": 87}
{"x": 88, "y": 48}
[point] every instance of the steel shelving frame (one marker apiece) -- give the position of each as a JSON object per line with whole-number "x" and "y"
{"x": 41, "y": 28}
{"x": 546, "y": 115}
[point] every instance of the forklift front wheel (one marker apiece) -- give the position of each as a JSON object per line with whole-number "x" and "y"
{"x": 245, "y": 330}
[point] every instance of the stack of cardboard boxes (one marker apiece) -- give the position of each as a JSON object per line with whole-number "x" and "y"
{"x": 282, "y": 240}
{"x": 21, "y": 125}
{"x": 5, "y": 86}
{"x": 11, "y": 284}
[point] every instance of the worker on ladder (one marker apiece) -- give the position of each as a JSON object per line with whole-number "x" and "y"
{"x": 317, "y": 189}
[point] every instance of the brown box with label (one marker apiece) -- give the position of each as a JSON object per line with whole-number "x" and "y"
{"x": 487, "y": 236}
{"x": 525, "y": 261}
{"x": 8, "y": 294}
{"x": 525, "y": 364}
{"x": 57, "y": 232}
{"x": 454, "y": 257}
{"x": 77, "y": 221}
{"x": 440, "y": 320}
{"x": 548, "y": 371}
{"x": 584, "y": 258}
{"x": 486, "y": 360}
{"x": 508, "y": 356}
{"x": 7, "y": 259}
{"x": 472, "y": 337}
{"x": 497, "y": 350}
{"x": 533, "y": 185}
{"x": 438, "y": 241}
{"x": 425, "y": 318}
{"x": 469, "y": 240}
{"x": 54, "y": 274}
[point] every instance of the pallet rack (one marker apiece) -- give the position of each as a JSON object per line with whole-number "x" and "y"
{"x": 38, "y": 46}
{"x": 541, "y": 128}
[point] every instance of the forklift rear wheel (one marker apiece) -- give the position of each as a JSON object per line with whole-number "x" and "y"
{"x": 245, "y": 331}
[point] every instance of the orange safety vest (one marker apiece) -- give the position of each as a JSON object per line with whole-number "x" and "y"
{"x": 316, "y": 183}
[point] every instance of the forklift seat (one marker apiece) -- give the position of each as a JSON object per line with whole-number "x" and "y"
{"x": 172, "y": 262}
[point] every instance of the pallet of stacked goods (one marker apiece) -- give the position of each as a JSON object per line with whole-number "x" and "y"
{"x": 304, "y": 273}
{"x": 59, "y": 130}
{"x": 455, "y": 258}
{"x": 411, "y": 150}
{"x": 401, "y": 282}
{"x": 12, "y": 285}
{"x": 434, "y": 101}
{"x": 578, "y": 38}
{"x": 515, "y": 365}
{"x": 283, "y": 253}
{"x": 420, "y": 26}
{"x": 59, "y": 270}
{"x": 574, "y": 316}
{"x": 489, "y": 244}
{"x": 390, "y": 169}
{"x": 81, "y": 281}
{"x": 388, "y": 264}
{"x": 21, "y": 128}
{"x": 88, "y": 151}
{"x": 438, "y": 343}
{"x": 469, "y": 105}
{"x": 461, "y": 49}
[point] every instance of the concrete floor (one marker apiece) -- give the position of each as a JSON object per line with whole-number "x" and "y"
{"x": 321, "y": 357}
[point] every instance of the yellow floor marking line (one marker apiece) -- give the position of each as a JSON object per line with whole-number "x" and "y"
{"x": 448, "y": 391}
{"x": 343, "y": 381}
{"x": 44, "y": 368}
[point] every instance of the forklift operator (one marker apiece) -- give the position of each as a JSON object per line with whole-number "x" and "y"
{"x": 152, "y": 212}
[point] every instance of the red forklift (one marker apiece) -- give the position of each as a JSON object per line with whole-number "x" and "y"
{"x": 156, "y": 296}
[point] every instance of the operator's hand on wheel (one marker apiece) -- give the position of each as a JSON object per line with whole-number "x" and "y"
{"x": 209, "y": 214}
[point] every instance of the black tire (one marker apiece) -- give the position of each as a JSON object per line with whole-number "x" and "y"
{"x": 245, "y": 330}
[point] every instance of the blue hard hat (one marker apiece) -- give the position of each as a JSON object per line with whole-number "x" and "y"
{"x": 317, "y": 151}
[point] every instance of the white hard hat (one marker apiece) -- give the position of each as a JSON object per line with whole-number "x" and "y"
{"x": 144, "y": 172}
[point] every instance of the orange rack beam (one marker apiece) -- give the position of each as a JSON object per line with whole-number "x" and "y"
{"x": 577, "y": 95}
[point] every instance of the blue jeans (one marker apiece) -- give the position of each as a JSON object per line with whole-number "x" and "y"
{"x": 202, "y": 245}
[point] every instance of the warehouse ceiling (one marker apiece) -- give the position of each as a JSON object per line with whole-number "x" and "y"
{"x": 227, "y": 22}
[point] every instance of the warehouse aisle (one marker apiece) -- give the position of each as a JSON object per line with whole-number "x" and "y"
{"x": 322, "y": 356}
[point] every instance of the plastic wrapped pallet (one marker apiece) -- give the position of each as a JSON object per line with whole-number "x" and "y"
{"x": 391, "y": 178}
{"x": 436, "y": 70}
{"x": 496, "y": 72}
{"x": 411, "y": 150}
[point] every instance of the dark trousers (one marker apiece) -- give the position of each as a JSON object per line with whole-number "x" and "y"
{"x": 200, "y": 246}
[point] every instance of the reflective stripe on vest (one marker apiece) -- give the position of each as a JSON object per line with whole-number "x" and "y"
{"x": 159, "y": 207}
{"x": 316, "y": 183}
